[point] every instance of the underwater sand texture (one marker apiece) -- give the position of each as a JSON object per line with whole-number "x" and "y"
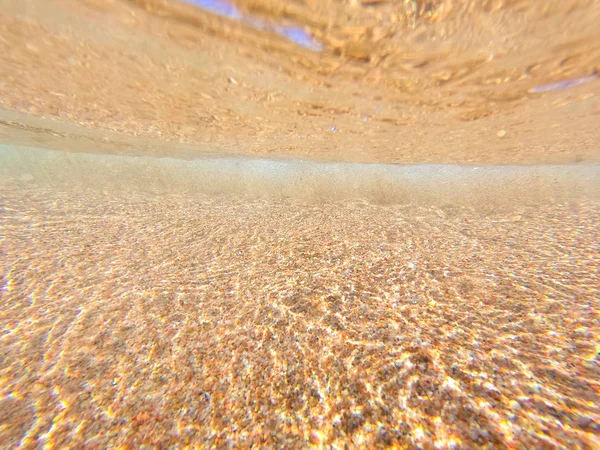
{"x": 164, "y": 317}
{"x": 213, "y": 322}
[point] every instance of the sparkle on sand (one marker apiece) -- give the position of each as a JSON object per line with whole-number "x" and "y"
{"x": 214, "y": 322}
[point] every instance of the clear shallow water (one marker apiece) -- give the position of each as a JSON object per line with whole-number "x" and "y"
{"x": 139, "y": 308}
{"x": 486, "y": 187}
{"x": 222, "y": 302}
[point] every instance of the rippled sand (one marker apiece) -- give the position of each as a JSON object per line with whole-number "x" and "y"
{"x": 189, "y": 296}
{"x": 192, "y": 320}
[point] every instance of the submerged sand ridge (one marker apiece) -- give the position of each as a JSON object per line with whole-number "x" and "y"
{"x": 131, "y": 319}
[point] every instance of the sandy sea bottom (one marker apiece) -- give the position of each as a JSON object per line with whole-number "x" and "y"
{"x": 210, "y": 300}
{"x": 133, "y": 319}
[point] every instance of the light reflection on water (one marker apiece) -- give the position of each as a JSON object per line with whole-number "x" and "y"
{"x": 226, "y": 9}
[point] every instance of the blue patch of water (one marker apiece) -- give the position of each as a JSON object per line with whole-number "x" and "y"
{"x": 299, "y": 36}
{"x": 220, "y": 7}
{"x": 563, "y": 84}
{"x": 227, "y": 9}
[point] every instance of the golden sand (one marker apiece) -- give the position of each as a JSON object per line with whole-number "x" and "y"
{"x": 355, "y": 313}
{"x": 437, "y": 89}
{"x": 172, "y": 321}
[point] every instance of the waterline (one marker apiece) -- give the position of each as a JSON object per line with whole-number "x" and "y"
{"x": 305, "y": 180}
